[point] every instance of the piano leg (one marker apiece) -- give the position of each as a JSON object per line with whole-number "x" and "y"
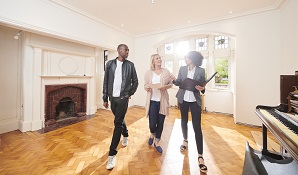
{"x": 265, "y": 150}
{"x": 264, "y": 133}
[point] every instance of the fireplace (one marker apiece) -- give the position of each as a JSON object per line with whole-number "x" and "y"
{"x": 64, "y": 101}
{"x": 65, "y": 75}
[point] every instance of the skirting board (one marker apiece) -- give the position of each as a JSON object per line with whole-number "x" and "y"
{"x": 9, "y": 126}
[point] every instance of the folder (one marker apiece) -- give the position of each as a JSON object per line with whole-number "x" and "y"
{"x": 189, "y": 84}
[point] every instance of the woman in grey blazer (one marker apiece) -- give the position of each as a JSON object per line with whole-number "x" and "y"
{"x": 191, "y": 100}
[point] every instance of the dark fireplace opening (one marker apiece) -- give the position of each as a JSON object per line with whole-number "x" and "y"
{"x": 64, "y": 102}
{"x": 65, "y": 109}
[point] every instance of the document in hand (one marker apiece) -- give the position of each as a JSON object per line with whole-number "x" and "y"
{"x": 155, "y": 86}
{"x": 189, "y": 84}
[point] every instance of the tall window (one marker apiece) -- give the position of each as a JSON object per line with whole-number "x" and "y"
{"x": 222, "y": 69}
{"x": 183, "y": 48}
{"x": 205, "y": 66}
{"x": 182, "y": 63}
{"x": 216, "y": 50}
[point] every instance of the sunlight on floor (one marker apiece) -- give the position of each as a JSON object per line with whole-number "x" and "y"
{"x": 225, "y": 133}
{"x": 176, "y": 161}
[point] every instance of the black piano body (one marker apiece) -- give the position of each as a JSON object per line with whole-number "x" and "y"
{"x": 283, "y": 124}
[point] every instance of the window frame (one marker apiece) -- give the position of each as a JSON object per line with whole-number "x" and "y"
{"x": 210, "y": 54}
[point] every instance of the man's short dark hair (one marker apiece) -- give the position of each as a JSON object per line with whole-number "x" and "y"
{"x": 121, "y": 45}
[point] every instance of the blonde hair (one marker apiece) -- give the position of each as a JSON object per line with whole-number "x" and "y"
{"x": 152, "y": 66}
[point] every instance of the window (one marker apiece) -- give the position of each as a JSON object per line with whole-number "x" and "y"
{"x": 201, "y": 44}
{"x": 204, "y": 65}
{"x": 216, "y": 49}
{"x": 183, "y": 48}
{"x": 169, "y": 48}
{"x": 221, "y": 42}
{"x": 222, "y": 69}
{"x": 182, "y": 63}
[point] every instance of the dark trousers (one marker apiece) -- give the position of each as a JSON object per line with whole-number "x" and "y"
{"x": 156, "y": 120}
{"x": 119, "y": 108}
{"x": 195, "y": 110}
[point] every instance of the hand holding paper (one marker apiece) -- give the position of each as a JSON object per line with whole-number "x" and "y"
{"x": 155, "y": 86}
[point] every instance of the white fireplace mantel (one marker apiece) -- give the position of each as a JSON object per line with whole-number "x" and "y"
{"x": 49, "y": 67}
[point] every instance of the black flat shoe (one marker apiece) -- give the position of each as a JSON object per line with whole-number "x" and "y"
{"x": 150, "y": 141}
{"x": 203, "y": 168}
{"x": 158, "y": 149}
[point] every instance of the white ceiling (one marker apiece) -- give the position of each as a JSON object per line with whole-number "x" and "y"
{"x": 142, "y": 17}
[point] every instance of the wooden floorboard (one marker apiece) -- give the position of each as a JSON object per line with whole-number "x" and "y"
{"x": 82, "y": 148}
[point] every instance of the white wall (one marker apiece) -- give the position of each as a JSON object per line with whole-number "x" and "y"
{"x": 258, "y": 52}
{"x": 289, "y": 59}
{"x": 10, "y": 102}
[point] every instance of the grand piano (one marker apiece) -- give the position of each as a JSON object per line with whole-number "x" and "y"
{"x": 282, "y": 122}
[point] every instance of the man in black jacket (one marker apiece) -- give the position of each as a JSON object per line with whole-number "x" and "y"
{"x": 120, "y": 82}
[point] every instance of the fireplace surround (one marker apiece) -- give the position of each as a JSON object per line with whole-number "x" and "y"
{"x": 58, "y": 69}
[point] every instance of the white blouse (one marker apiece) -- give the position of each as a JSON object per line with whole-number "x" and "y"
{"x": 155, "y": 92}
{"x": 189, "y": 95}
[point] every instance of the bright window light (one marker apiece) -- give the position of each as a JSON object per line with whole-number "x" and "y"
{"x": 183, "y": 48}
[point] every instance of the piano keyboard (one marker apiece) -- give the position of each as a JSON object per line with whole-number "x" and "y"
{"x": 286, "y": 130}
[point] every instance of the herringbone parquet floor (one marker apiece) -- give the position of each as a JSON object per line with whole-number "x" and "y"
{"x": 82, "y": 148}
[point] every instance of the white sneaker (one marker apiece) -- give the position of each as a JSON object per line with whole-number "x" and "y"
{"x": 111, "y": 162}
{"x": 125, "y": 141}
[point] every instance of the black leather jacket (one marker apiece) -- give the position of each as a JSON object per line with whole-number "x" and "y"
{"x": 129, "y": 79}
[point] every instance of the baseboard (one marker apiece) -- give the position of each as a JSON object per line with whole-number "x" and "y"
{"x": 36, "y": 125}
{"x": 136, "y": 106}
{"x": 93, "y": 110}
{"x": 249, "y": 125}
{"x": 8, "y": 126}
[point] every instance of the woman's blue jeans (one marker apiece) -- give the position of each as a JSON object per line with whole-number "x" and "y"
{"x": 156, "y": 120}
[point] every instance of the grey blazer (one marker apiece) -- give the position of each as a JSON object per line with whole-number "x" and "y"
{"x": 199, "y": 76}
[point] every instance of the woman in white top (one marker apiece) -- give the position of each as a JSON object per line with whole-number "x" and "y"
{"x": 191, "y": 100}
{"x": 157, "y": 81}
